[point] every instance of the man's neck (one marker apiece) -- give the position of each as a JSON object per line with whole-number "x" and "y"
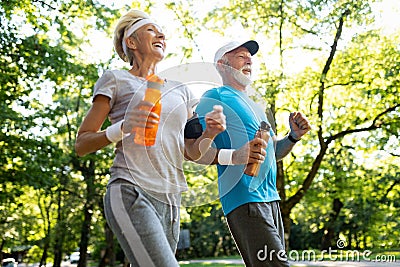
{"x": 236, "y": 85}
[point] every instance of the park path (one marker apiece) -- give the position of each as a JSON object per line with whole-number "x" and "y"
{"x": 344, "y": 264}
{"x": 306, "y": 263}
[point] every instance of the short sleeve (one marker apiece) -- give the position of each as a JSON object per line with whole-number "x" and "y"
{"x": 106, "y": 85}
{"x": 206, "y": 104}
{"x": 191, "y": 100}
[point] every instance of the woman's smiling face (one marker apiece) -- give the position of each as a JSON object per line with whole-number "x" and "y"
{"x": 151, "y": 40}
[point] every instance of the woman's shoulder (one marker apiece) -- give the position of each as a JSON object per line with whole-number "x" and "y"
{"x": 121, "y": 76}
{"x": 175, "y": 85}
{"x": 116, "y": 72}
{"x": 108, "y": 74}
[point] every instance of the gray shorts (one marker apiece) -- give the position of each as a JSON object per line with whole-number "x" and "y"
{"x": 257, "y": 229}
{"x": 146, "y": 228}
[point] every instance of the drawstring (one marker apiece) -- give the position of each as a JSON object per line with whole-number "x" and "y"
{"x": 172, "y": 203}
{"x": 171, "y": 211}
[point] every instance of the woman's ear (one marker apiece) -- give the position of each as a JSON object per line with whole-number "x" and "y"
{"x": 130, "y": 43}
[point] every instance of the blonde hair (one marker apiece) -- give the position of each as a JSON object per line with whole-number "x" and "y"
{"x": 123, "y": 24}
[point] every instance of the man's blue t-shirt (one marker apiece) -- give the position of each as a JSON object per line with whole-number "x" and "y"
{"x": 243, "y": 118}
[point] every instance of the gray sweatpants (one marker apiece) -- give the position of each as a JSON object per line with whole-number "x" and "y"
{"x": 147, "y": 229}
{"x": 257, "y": 229}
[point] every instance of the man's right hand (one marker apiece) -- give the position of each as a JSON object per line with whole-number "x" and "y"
{"x": 251, "y": 152}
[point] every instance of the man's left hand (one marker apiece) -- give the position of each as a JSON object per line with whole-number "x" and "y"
{"x": 299, "y": 125}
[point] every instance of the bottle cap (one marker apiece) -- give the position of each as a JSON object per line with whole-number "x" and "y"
{"x": 154, "y": 78}
{"x": 264, "y": 126}
{"x": 153, "y": 81}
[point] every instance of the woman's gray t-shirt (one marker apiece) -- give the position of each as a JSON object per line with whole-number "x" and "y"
{"x": 156, "y": 168}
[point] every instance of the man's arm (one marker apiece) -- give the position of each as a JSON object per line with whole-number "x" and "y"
{"x": 283, "y": 148}
{"x": 251, "y": 152}
{"x": 199, "y": 147}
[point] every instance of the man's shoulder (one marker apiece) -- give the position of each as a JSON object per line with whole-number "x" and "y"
{"x": 207, "y": 101}
{"x": 210, "y": 92}
{"x": 215, "y": 92}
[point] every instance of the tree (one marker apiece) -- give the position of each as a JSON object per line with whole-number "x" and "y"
{"x": 345, "y": 168}
{"x": 42, "y": 77}
{"x": 345, "y": 69}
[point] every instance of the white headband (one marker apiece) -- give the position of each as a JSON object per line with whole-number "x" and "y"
{"x": 133, "y": 28}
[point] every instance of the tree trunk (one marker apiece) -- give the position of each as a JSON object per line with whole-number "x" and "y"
{"x": 280, "y": 185}
{"x": 59, "y": 238}
{"x": 46, "y": 216}
{"x": 3, "y": 241}
{"x": 329, "y": 230}
{"x": 43, "y": 259}
{"x": 89, "y": 174}
{"x": 108, "y": 259}
{"x": 287, "y": 223}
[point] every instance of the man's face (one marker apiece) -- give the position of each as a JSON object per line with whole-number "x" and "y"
{"x": 240, "y": 62}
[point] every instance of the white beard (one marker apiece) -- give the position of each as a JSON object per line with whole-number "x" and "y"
{"x": 241, "y": 78}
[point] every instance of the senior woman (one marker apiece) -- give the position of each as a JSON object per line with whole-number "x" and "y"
{"x": 144, "y": 192}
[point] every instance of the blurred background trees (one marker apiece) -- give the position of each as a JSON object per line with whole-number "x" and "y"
{"x": 329, "y": 59}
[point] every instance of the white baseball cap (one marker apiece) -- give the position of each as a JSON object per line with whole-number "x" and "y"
{"x": 251, "y": 45}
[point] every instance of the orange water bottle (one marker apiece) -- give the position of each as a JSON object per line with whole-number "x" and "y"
{"x": 253, "y": 169}
{"x": 147, "y": 136}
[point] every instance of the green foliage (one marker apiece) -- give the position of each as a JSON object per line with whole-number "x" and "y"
{"x": 41, "y": 84}
{"x": 357, "y": 169}
{"x": 46, "y": 81}
{"x": 209, "y": 233}
{"x": 350, "y": 90}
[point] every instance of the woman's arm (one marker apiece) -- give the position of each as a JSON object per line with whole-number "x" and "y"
{"x": 200, "y": 148}
{"x": 89, "y": 138}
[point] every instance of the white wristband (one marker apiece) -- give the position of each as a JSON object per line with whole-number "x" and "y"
{"x": 114, "y": 132}
{"x": 225, "y": 156}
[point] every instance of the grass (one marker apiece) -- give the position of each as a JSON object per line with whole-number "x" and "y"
{"x": 205, "y": 264}
{"x": 227, "y": 261}
{"x": 233, "y": 261}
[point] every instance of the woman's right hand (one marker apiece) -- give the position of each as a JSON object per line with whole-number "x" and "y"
{"x": 140, "y": 117}
{"x": 215, "y": 121}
